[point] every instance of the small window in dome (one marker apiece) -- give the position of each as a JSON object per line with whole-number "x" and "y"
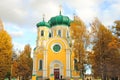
{"x": 59, "y": 33}
{"x": 42, "y": 33}
{"x": 68, "y": 34}
{"x": 50, "y": 34}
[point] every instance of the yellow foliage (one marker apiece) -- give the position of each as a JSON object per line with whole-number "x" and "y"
{"x": 25, "y": 63}
{"x": 105, "y": 51}
{"x": 80, "y": 37}
{"x": 5, "y": 53}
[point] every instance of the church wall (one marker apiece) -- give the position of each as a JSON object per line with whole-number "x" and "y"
{"x": 41, "y": 38}
{"x": 63, "y": 29}
{"x": 60, "y": 56}
{"x": 39, "y": 56}
{"x": 47, "y": 43}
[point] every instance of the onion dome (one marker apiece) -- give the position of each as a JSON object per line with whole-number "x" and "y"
{"x": 43, "y": 23}
{"x": 59, "y": 20}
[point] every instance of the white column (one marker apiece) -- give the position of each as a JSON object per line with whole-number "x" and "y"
{"x": 61, "y": 70}
{"x": 34, "y": 64}
{"x": 45, "y": 65}
{"x": 68, "y": 63}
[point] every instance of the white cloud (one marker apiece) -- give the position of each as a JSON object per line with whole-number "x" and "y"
{"x": 30, "y": 12}
{"x": 16, "y": 34}
{"x": 110, "y": 14}
{"x": 49, "y": 8}
{"x": 12, "y": 11}
{"x": 18, "y": 46}
{"x": 26, "y": 13}
{"x": 86, "y": 9}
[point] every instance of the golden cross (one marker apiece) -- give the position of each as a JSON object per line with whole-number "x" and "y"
{"x": 60, "y": 8}
{"x": 43, "y": 17}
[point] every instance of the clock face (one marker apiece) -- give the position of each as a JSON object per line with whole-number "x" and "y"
{"x": 56, "y": 47}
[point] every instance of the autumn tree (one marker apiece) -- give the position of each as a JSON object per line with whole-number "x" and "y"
{"x": 5, "y": 54}
{"x": 105, "y": 57}
{"x": 14, "y": 69}
{"x": 117, "y": 28}
{"x": 116, "y": 31}
{"x": 14, "y": 65}
{"x": 80, "y": 39}
{"x": 24, "y": 63}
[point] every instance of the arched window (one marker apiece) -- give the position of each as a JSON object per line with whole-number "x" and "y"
{"x": 50, "y": 34}
{"x": 59, "y": 33}
{"x": 42, "y": 33}
{"x": 40, "y": 64}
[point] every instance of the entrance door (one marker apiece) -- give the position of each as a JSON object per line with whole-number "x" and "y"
{"x": 56, "y": 74}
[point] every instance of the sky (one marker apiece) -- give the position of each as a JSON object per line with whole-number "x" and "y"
{"x": 21, "y": 16}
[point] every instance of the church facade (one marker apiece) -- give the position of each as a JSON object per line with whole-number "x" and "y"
{"x": 53, "y": 57}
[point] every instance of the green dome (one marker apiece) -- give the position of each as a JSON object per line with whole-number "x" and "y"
{"x": 43, "y": 23}
{"x": 58, "y": 20}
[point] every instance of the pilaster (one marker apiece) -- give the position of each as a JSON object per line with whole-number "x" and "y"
{"x": 34, "y": 64}
{"x": 45, "y": 65}
{"x": 68, "y": 63}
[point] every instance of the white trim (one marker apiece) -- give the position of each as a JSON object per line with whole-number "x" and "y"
{"x": 53, "y": 31}
{"x": 54, "y": 45}
{"x": 67, "y": 34}
{"x": 49, "y": 33}
{"x": 52, "y": 67}
{"x": 45, "y": 64}
{"x": 60, "y": 26}
{"x": 68, "y": 72}
{"x": 34, "y": 63}
{"x": 63, "y": 40}
{"x": 56, "y": 32}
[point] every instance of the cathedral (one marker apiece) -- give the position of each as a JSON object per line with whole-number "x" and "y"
{"x": 53, "y": 57}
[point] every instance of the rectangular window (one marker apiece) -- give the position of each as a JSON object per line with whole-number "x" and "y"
{"x": 50, "y": 34}
{"x": 59, "y": 33}
{"x": 42, "y": 33}
{"x": 40, "y": 65}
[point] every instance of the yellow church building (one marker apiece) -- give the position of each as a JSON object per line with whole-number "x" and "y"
{"x": 53, "y": 57}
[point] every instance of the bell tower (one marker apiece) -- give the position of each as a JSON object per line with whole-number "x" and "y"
{"x": 42, "y": 29}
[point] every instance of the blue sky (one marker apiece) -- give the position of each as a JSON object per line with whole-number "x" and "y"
{"x": 21, "y": 16}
